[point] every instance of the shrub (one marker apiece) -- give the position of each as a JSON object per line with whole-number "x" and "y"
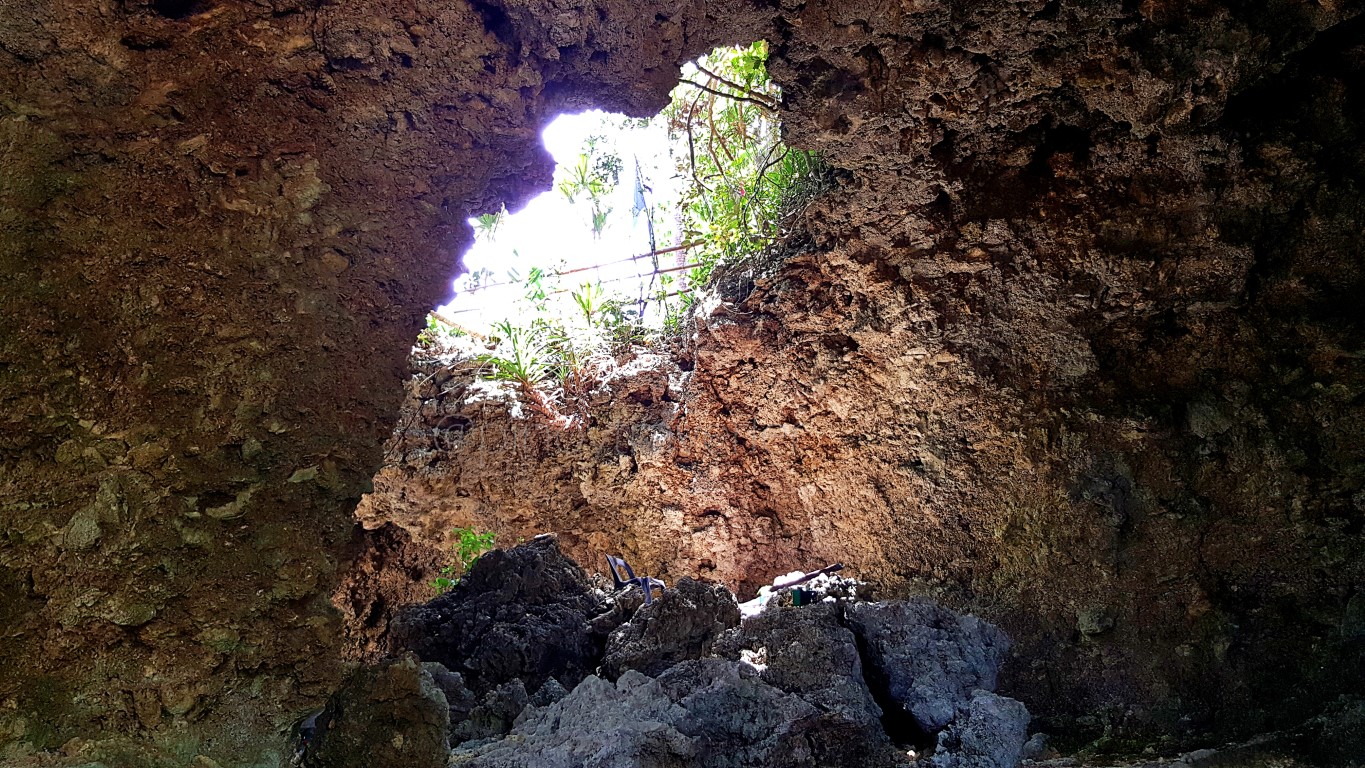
{"x": 470, "y": 545}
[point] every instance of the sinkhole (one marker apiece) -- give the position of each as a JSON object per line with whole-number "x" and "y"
{"x": 642, "y": 214}
{"x": 594, "y": 282}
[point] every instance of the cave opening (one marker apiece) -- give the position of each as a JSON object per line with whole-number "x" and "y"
{"x": 642, "y": 210}
{"x": 218, "y": 218}
{"x": 589, "y": 283}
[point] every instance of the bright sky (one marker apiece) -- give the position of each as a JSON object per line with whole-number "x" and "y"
{"x": 554, "y": 235}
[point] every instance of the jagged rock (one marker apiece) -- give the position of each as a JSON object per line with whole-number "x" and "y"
{"x": 393, "y": 713}
{"x": 389, "y": 569}
{"x": 926, "y": 658}
{"x": 598, "y": 724}
{"x": 549, "y": 693}
{"x": 809, "y": 653}
{"x": 524, "y": 614}
{"x": 731, "y": 712}
{"x": 1337, "y": 736}
{"x": 1035, "y": 747}
{"x": 493, "y": 715}
{"x": 988, "y": 733}
{"x": 739, "y": 719}
{"x": 682, "y": 624}
{"x": 708, "y": 713}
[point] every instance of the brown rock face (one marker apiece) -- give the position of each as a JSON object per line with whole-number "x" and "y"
{"x": 1078, "y": 337}
{"x": 1069, "y": 345}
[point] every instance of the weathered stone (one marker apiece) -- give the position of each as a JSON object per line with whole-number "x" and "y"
{"x": 524, "y": 614}
{"x": 390, "y": 714}
{"x": 811, "y": 654}
{"x": 613, "y": 726}
{"x": 493, "y": 715}
{"x": 681, "y": 624}
{"x": 1058, "y": 226}
{"x": 989, "y": 731}
{"x": 709, "y": 713}
{"x": 927, "y": 659}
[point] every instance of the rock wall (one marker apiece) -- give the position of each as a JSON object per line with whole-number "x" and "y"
{"x": 1075, "y": 345}
{"x": 221, "y": 224}
{"x": 1078, "y": 337}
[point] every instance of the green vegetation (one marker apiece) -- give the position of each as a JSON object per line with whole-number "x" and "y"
{"x": 745, "y": 182}
{"x": 595, "y": 174}
{"x": 470, "y": 545}
{"x": 738, "y": 187}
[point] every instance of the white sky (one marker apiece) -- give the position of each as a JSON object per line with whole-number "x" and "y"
{"x": 554, "y": 235}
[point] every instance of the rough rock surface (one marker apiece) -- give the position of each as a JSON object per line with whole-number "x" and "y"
{"x": 221, "y": 225}
{"x": 1078, "y": 338}
{"x": 708, "y": 714}
{"x": 925, "y": 658}
{"x": 988, "y": 732}
{"x": 686, "y": 693}
{"x": 389, "y": 714}
{"x": 682, "y": 624}
{"x": 387, "y": 571}
{"x": 1076, "y": 345}
{"x": 525, "y": 614}
{"x": 810, "y": 653}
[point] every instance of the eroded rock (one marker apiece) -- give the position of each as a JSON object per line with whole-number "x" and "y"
{"x": 525, "y": 613}
{"x": 393, "y": 713}
{"x": 926, "y": 658}
{"x": 989, "y": 732}
{"x": 682, "y": 624}
{"x": 707, "y": 713}
{"x": 810, "y": 653}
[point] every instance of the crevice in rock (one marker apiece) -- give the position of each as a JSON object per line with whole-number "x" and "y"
{"x": 179, "y": 9}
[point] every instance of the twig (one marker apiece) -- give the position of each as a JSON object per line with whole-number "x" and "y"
{"x": 761, "y": 104}
{"x": 753, "y": 95}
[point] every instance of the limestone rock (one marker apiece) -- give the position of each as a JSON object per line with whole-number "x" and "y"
{"x": 682, "y": 624}
{"x": 520, "y": 614}
{"x": 926, "y": 658}
{"x": 390, "y": 714}
{"x": 707, "y": 713}
{"x": 599, "y": 724}
{"x": 989, "y": 732}
{"x": 809, "y": 653}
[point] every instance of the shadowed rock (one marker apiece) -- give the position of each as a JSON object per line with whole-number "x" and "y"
{"x": 681, "y": 625}
{"x": 525, "y": 614}
{"x": 707, "y": 713}
{"x": 925, "y": 658}
{"x": 988, "y": 733}
{"x": 393, "y": 713}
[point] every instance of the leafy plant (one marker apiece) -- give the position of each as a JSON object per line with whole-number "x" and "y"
{"x": 524, "y": 357}
{"x": 470, "y": 545}
{"x": 741, "y": 187}
{"x": 594, "y": 175}
{"x": 744, "y": 181}
{"x": 487, "y": 225}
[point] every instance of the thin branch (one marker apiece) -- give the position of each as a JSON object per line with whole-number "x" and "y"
{"x": 747, "y": 91}
{"x": 759, "y": 102}
{"x": 717, "y": 135}
{"x": 692, "y": 156}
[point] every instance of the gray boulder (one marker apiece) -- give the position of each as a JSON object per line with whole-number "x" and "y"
{"x": 493, "y": 715}
{"x": 708, "y": 713}
{"x": 926, "y": 658}
{"x": 598, "y": 725}
{"x": 988, "y": 733}
{"x": 682, "y": 624}
{"x": 811, "y": 654}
